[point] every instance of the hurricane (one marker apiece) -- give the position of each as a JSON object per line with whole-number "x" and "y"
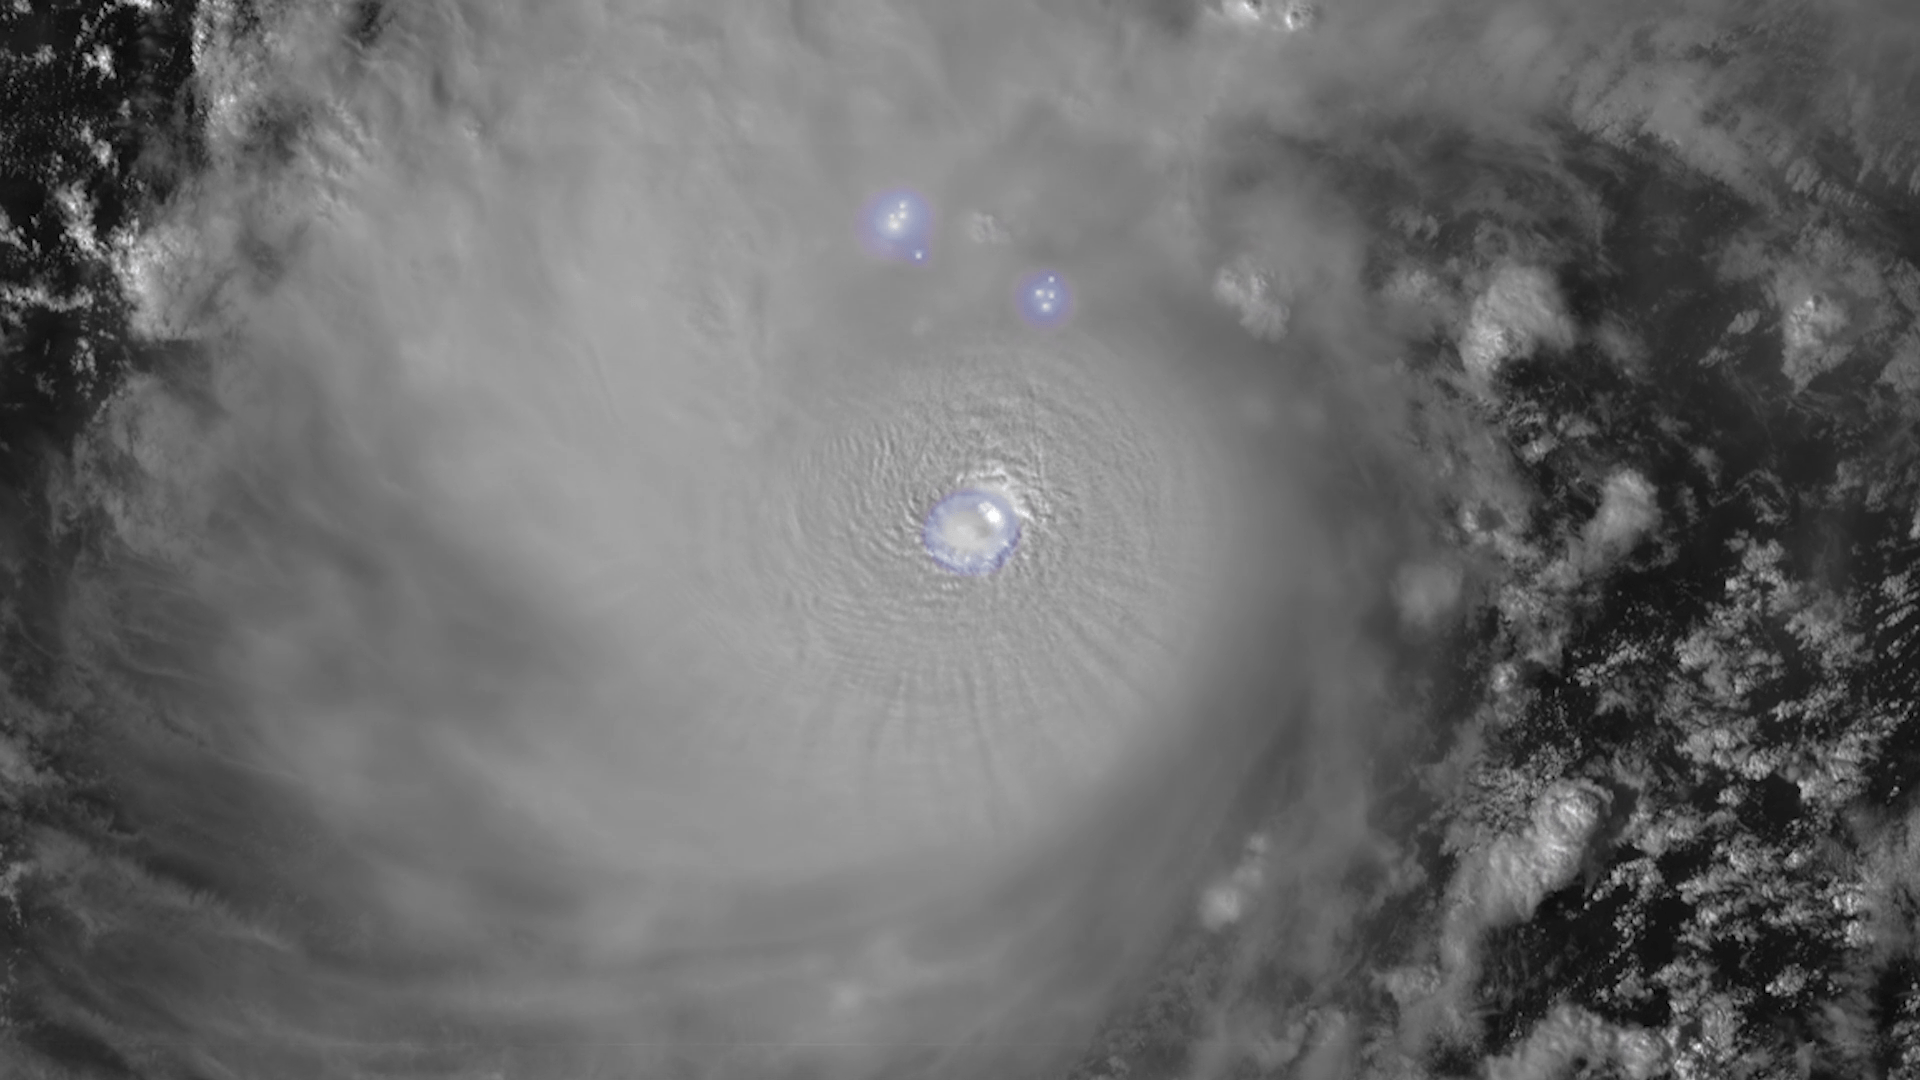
{"x": 899, "y": 540}
{"x": 543, "y": 550}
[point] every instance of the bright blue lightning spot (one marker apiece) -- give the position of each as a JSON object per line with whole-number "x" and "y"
{"x": 1044, "y": 299}
{"x": 898, "y": 227}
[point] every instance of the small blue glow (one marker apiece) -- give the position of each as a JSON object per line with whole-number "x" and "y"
{"x": 971, "y": 531}
{"x": 898, "y": 226}
{"x": 1044, "y": 299}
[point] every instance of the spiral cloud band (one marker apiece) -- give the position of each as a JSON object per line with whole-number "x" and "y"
{"x": 554, "y": 544}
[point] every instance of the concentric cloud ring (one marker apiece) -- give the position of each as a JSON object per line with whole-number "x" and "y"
{"x": 902, "y": 705}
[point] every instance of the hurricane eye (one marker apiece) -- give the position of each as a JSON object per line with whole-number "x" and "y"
{"x": 971, "y": 532}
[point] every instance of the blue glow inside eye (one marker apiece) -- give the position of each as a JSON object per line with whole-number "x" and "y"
{"x": 1044, "y": 299}
{"x": 971, "y": 531}
{"x": 898, "y": 226}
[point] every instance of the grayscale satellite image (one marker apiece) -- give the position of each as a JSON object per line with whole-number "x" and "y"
{"x": 959, "y": 539}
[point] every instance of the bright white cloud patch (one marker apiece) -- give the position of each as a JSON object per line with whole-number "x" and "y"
{"x": 1628, "y": 511}
{"x": 1520, "y": 312}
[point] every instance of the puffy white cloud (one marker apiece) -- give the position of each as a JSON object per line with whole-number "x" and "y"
{"x": 1254, "y": 294}
{"x": 1627, "y": 512}
{"x": 1520, "y": 312}
{"x": 1569, "y": 1035}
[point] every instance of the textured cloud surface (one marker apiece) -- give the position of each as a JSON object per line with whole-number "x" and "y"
{"x": 541, "y": 535}
{"x": 511, "y": 630}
